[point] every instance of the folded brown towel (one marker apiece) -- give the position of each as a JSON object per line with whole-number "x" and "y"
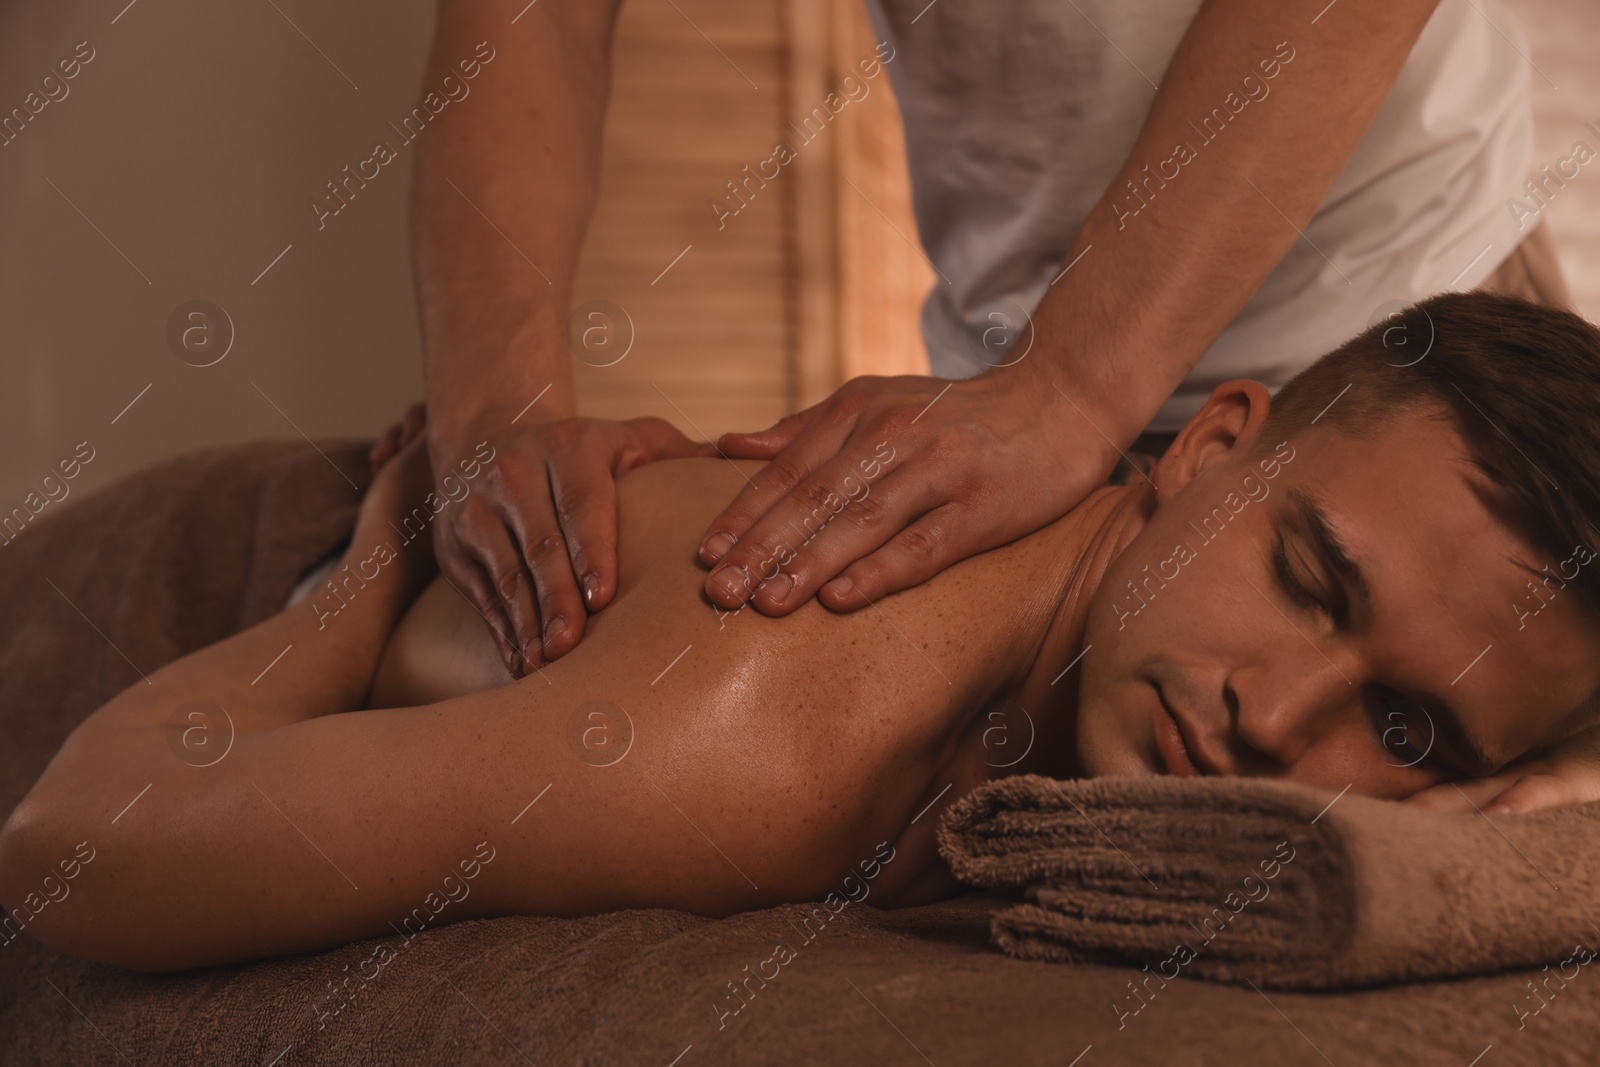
{"x": 1252, "y": 880}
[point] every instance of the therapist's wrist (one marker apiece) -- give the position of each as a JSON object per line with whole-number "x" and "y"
{"x": 507, "y": 366}
{"x": 1090, "y": 408}
{"x": 458, "y": 421}
{"x": 1033, "y": 402}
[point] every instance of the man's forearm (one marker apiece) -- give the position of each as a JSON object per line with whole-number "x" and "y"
{"x": 1133, "y": 316}
{"x": 314, "y": 659}
{"x": 503, "y": 193}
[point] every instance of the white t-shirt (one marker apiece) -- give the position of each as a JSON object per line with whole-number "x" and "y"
{"x": 1018, "y": 114}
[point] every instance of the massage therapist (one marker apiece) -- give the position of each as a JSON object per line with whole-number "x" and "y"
{"x": 1177, "y": 193}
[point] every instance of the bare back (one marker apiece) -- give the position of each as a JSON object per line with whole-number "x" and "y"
{"x": 882, "y": 701}
{"x": 677, "y": 758}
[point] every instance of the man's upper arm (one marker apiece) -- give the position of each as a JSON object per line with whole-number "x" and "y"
{"x": 366, "y": 823}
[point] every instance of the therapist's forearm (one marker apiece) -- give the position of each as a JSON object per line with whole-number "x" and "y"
{"x": 1126, "y": 325}
{"x": 495, "y": 275}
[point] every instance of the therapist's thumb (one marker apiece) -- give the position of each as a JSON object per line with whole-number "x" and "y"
{"x": 764, "y": 444}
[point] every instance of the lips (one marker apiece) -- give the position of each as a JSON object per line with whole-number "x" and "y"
{"x": 1170, "y": 741}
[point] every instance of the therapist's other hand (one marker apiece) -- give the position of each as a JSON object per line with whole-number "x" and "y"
{"x": 903, "y": 476}
{"x": 534, "y": 543}
{"x": 1566, "y": 775}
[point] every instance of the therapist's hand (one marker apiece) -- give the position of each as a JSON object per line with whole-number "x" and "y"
{"x": 540, "y": 524}
{"x": 904, "y": 476}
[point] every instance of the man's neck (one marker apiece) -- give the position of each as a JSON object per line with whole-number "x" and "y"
{"x": 1088, "y": 538}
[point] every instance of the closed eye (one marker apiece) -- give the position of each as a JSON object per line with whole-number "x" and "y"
{"x": 1292, "y": 586}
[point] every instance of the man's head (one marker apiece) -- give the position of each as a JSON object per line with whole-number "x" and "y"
{"x": 1453, "y": 454}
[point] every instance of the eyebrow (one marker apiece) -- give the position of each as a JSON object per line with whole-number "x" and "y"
{"x": 1311, "y": 517}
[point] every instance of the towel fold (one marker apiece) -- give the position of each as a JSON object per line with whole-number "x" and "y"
{"x": 1253, "y": 880}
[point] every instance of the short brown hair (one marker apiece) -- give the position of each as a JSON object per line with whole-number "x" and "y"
{"x": 1520, "y": 383}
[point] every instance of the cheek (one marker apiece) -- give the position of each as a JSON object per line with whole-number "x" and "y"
{"x": 1113, "y": 733}
{"x": 1351, "y": 755}
{"x": 1180, "y": 584}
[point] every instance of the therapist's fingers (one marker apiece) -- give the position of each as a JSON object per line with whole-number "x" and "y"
{"x": 585, "y": 499}
{"x": 574, "y": 561}
{"x": 909, "y": 558}
{"x": 486, "y": 542}
{"x": 582, "y": 473}
{"x": 784, "y": 473}
{"x": 559, "y": 623}
{"x": 647, "y": 439}
{"x": 562, "y": 615}
{"x": 472, "y": 582}
{"x": 813, "y": 534}
{"x": 764, "y": 444}
{"x": 474, "y": 586}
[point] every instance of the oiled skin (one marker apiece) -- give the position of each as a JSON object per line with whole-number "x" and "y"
{"x": 887, "y": 704}
{"x": 769, "y": 758}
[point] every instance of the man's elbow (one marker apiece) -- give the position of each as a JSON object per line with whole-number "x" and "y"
{"x": 47, "y": 891}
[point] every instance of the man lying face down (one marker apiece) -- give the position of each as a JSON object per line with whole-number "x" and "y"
{"x": 1381, "y": 581}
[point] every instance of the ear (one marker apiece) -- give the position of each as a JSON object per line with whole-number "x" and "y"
{"x": 1225, "y": 427}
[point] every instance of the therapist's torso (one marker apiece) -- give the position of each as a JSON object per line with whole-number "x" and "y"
{"x": 1018, "y": 113}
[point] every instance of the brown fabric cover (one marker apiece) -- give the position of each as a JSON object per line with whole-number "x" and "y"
{"x": 179, "y": 556}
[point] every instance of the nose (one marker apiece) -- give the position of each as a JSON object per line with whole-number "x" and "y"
{"x": 1280, "y": 712}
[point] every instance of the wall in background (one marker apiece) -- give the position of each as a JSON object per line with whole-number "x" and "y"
{"x": 180, "y": 167}
{"x": 181, "y": 164}
{"x": 1565, "y": 80}
{"x": 708, "y": 306}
